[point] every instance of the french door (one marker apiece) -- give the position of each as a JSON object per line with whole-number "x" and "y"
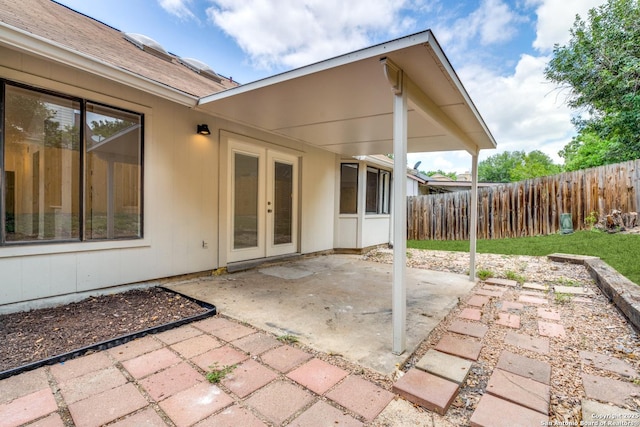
{"x": 263, "y": 202}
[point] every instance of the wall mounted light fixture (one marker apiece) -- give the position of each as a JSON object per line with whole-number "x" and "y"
{"x": 203, "y": 130}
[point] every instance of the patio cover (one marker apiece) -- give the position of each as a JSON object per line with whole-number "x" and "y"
{"x": 397, "y": 97}
{"x": 345, "y": 104}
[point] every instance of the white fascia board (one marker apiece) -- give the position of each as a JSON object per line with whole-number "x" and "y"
{"x": 375, "y": 161}
{"x": 15, "y": 38}
{"x": 370, "y": 52}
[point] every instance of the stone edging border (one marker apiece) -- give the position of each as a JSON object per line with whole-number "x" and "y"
{"x": 621, "y": 291}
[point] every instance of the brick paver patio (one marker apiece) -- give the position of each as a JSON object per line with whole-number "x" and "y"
{"x": 158, "y": 378}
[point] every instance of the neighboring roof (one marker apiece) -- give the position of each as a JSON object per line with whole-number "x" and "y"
{"x": 459, "y": 185}
{"x": 345, "y": 104}
{"x": 79, "y": 33}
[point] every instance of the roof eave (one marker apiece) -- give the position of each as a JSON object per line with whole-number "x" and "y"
{"x": 369, "y": 52}
{"x": 24, "y": 41}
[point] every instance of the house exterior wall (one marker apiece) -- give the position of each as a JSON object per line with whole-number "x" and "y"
{"x": 180, "y": 199}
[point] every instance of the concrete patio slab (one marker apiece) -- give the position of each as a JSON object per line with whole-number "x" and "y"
{"x": 343, "y": 306}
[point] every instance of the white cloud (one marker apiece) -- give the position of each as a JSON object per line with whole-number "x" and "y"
{"x": 523, "y": 110}
{"x": 296, "y": 33}
{"x": 556, "y": 17}
{"x": 179, "y": 8}
{"x": 494, "y": 22}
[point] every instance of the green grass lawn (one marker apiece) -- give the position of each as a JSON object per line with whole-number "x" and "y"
{"x": 620, "y": 251}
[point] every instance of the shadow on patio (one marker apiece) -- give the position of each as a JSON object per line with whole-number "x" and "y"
{"x": 337, "y": 304}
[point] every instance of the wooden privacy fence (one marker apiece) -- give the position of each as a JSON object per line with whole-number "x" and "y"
{"x": 527, "y": 208}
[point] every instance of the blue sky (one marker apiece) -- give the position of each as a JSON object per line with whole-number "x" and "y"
{"x": 499, "y": 49}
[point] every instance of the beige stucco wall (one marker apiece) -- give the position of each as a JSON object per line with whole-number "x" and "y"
{"x": 181, "y": 196}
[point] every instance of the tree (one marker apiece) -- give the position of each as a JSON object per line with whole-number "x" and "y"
{"x": 512, "y": 166}
{"x": 451, "y": 175}
{"x": 533, "y": 165}
{"x": 601, "y": 68}
{"x": 496, "y": 168}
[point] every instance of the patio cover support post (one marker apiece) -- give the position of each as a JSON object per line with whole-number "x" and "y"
{"x": 400, "y": 123}
{"x": 473, "y": 217}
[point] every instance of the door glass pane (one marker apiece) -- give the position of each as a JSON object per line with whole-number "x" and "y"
{"x": 113, "y": 173}
{"x": 245, "y": 204}
{"x": 283, "y": 204}
{"x": 41, "y": 166}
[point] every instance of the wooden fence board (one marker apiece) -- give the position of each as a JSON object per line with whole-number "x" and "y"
{"x": 527, "y": 208}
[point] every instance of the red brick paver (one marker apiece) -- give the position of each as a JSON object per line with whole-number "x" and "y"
{"x": 608, "y": 363}
{"x": 102, "y": 408}
{"x": 501, "y": 282}
{"x": 80, "y": 366}
{"x": 146, "y": 418}
{"x": 525, "y": 367}
{"x": 196, "y": 345}
{"x": 495, "y": 412}
{"x": 256, "y": 344}
{"x": 477, "y": 330}
{"x": 322, "y": 414}
{"x": 361, "y": 396}
{"x": 477, "y": 300}
{"x": 248, "y": 377}
{"x": 176, "y": 335}
{"x": 548, "y": 313}
{"x": 134, "y": 348}
{"x": 220, "y": 357}
{"x": 523, "y": 391}
{"x": 552, "y": 330}
{"x": 194, "y": 404}
{"x": 470, "y": 314}
{"x": 427, "y": 390}
{"x": 317, "y": 375}
{"x": 23, "y": 384}
{"x": 509, "y": 320}
{"x": 509, "y": 305}
{"x": 285, "y": 358}
{"x": 91, "y": 383}
{"x": 232, "y": 416}
{"x": 609, "y": 390}
{"x": 489, "y": 293}
{"x": 54, "y": 420}
{"x": 463, "y": 347}
{"x": 149, "y": 363}
{"x": 539, "y": 345}
{"x": 279, "y": 401}
{"x": 532, "y": 300}
{"x": 27, "y": 408}
{"x": 170, "y": 381}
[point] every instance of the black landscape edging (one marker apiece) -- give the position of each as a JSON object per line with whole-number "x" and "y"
{"x": 104, "y": 345}
{"x": 621, "y": 291}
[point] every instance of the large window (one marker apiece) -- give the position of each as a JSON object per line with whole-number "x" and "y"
{"x": 378, "y": 186}
{"x": 71, "y": 169}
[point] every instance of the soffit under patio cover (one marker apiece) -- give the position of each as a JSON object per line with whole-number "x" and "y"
{"x": 345, "y": 104}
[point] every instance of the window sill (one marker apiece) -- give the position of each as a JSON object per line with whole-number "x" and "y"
{"x": 63, "y": 248}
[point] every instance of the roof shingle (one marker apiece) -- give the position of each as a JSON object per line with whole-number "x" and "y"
{"x": 75, "y": 31}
